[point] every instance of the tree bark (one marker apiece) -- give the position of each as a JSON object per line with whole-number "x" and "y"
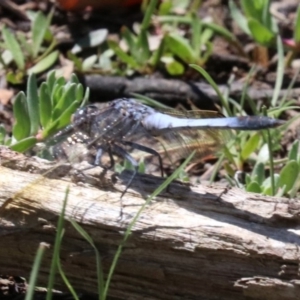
{"x": 191, "y": 242}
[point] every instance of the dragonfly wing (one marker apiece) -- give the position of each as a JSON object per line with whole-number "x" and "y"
{"x": 179, "y": 144}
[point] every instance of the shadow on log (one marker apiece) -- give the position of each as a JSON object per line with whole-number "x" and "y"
{"x": 192, "y": 242}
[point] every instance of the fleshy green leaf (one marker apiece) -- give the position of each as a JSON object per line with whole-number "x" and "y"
{"x": 13, "y": 46}
{"x": 253, "y": 187}
{"x": 50, "y": 81}
{"x": 33, "y": 104}
{"x": 180, "y": 47}
{"x": 260, "y": 33}
{"x": 253, "y": 9}
{"x": 289, "y": 174}
{"x": 62, "y": 121}
{"x": 294, "y": 151}
{"x": 45, "y": 105}
{"x": 74, "y": 79}
{"x": 250, "y": 146}
{"x": 79, "y": 92}
{"x": 24, "y": 144}
{"x": 175, "y": 68}
{"x": 264, "y": 154}
{"x": 89, "y": 62}
{"x": 38, "y": 29}
{"x": 21, "y": 128}
{"x": 123, "y": 55}
{"x": 44, "y": 64}
{"x": 130, "y": 39}
{"x": 15, "y": 78}
{"x": 238, "y": 17}
{"x": 258, "y": 173}
{"x": 68, "y": 97}
{"x": 267, "y": 185}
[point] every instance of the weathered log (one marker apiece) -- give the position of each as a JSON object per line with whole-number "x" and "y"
{"x": 191, "y": 242}
{"x": 175, "y": 91}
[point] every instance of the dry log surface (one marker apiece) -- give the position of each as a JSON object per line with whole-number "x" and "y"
{"x": 192, "y": 242}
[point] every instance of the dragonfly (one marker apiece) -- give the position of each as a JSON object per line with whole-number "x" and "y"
{"x": 126, "y": 123}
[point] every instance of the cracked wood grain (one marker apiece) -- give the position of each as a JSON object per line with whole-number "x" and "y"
{"x": 193, "y": 242}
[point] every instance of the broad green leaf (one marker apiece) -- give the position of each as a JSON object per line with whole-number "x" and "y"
{"x": 254, "y": 8}
{"x": 24, "y": 144}
{"x": 253, "y": 187}
{"x": 89, "y": 62}
{"x": 147, "y": 17}
{"x": 238, "y": 17}
{"x": 15, "y": 78}
{"x": 44, "y": 64}
{"x": 50, "y": 81}
{"x": 62, "y": 121}
{"x": 288, "y": 175}
{"x": 68, "y": 97}
{"x": 267, "y": 185}
{"x": 258, "y": 173}
{"x": 39, "y": 27}
{"x": 180, "y": 47}
{"x": 123, "y": 56}
{"x": 250, "y": 146}
{"x": 74, "y": 79}
{"x": 264, "y": 154}
{"x": 229, "y": 36}
{"x": 260, "y": 33}
{"x": 86, "y": 97}
{"x": 175, "y": 68}
{"x": 165, "y": 8}
{"x": 197, "y": 40}
{"x": 157, "y": 54}
{"x": 294, "y": 151}
{"x": 13, "y": 46}
{"x": 79, "y": 92}
{"x": 208, "y": 51}
{"x": 143, "y": 51}
{"x": 33, "y": 104}
{"x": 21, "y": 128}
{"x": 76, "y": 60}
{"x": 27, "y": 48}
{"x": 297, "y": 26}
{"x": 45, "y": 105}
{"x": 130, "y": 39}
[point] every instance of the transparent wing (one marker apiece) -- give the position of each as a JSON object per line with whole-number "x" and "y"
{"x": 179, "y": 144}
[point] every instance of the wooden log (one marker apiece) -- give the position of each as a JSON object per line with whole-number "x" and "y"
{"x": 191, "y": 242}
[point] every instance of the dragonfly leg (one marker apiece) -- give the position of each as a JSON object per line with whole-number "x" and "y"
{"x": 120, "y": 151}
{"x": 147, "y": 150}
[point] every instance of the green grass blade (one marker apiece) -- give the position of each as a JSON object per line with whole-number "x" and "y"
{"x": 99, "y": 267}
{"x": 56, "y": 249}
{"x": 297, "y": 27}
{"x": 64, "y": 277}
{"x": 35, "y": 271}
{"x": 280, "y": 72}
{"x": 175, "y": 175}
